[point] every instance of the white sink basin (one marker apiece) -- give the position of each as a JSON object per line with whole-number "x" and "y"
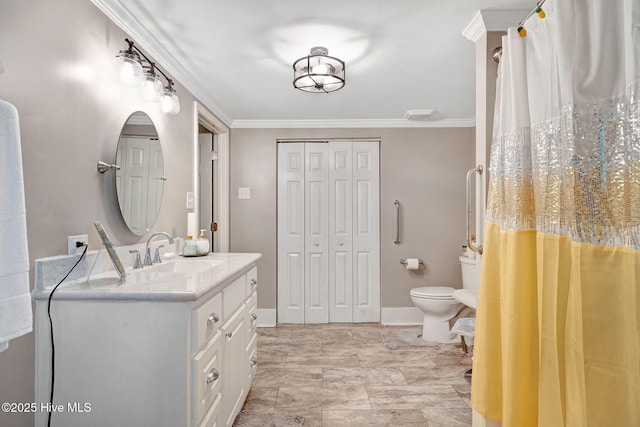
{"x": 185, "y": 265}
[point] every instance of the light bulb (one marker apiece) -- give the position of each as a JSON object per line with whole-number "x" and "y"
{"x": 320, "y": 69}
{"x": 151, "y": 88}
{"x": 170, "y": 102}
{"x": 131, "y": 73}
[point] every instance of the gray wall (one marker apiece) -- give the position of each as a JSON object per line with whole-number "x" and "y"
{"x": 57, "y": 68}
{"x": 424, "y": 168}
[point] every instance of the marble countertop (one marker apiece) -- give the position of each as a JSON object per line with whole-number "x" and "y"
{"x": 181, "y": 279}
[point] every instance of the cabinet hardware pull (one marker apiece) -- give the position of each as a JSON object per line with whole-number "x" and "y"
{"x": 213, "y": 318}
{"x": 228, "y": 334}
{"x": 212, "y": 375}
{"x": 254, "y": 316}
{"x": 253, "y": 361}
{"x": 253, "y": 282}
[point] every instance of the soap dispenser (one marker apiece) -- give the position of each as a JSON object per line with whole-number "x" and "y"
{"x": 202, "y": 244}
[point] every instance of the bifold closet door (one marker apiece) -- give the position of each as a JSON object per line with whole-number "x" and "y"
{"x": 316, "y": 266}
{"x": 340, "y": 231}
{"x": 291, "y": 233}
{"x": 328, "y": 232}
{"x": 366, "y": 231}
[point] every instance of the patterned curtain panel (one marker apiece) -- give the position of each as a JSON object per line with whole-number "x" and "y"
{"x": 558, "y": 321}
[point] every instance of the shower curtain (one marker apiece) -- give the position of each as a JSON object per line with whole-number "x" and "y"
{"x": 558, "y": 320}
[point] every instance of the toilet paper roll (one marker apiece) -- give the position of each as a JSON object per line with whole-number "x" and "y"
{"x": 412, "y": 264}
{"x": 192, "y": 226}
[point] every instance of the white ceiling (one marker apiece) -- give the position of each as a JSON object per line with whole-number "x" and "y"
{"x": 236, "y": 56}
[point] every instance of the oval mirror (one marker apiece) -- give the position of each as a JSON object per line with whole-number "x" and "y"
{"x": 140, "y": 180}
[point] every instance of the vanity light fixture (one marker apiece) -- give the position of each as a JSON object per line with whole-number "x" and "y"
{"x": 170, "y": 103}
{"x": 137, "y": 69}
{"x": 318, "y": 72}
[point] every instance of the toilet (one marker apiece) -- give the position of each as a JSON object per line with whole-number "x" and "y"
{"x": 468, "y": 295}
{"x": 438, "y": 307}
{"x": 440, "y": 304}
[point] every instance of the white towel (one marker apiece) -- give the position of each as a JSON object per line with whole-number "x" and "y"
{"x": 15, "y": 299}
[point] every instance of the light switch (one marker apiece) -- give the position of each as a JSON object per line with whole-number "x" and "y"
{"x": 244, "y": 193}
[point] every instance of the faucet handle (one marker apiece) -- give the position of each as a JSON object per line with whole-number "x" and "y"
{"x": 147, "y": 257}
{"x": 156, "y": 258}
{"x": 138, "y": 263}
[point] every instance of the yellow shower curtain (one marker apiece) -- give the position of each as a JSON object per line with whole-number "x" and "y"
{"x": 558, "y": 320}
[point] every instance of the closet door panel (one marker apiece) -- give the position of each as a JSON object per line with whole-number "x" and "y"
{"x": 366, "y": 235}
{"x": 316, "y": 238}
{"x": 291, "y": 233}
{"x": 340, "y": 232}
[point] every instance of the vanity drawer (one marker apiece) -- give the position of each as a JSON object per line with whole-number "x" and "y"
{"x": 205, "y": 378}
{"x": 233, "y": 295}
{"x": 252, "y": 280}
{"x": 213, "y": 416}
{"x": 252, "y": 359}
{"x": 205, "y": 321}
{"x": 252, "y": 315}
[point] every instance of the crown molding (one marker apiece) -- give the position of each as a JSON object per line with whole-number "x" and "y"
{"x": 120, "y": 15}
{"x": 352, "y": 123}
{"x": 492, "y": 20}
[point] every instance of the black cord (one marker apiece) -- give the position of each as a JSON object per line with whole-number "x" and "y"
{"x": 53, "y": 348}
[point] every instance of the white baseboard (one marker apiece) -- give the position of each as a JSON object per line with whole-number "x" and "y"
{"x": 401, "y": 316}
{"x": 398, "y": 316}
{"x": 266, "y": 317}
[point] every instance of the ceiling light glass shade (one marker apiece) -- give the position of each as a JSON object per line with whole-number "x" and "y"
{"x": 318, "y": 72}
{"x": 131, "y": 72}
{"x": 151, "y": 88}
{"x": 170, "y": 103}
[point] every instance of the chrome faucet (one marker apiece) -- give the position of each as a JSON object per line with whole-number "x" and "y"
{"x": 147, "y": 257}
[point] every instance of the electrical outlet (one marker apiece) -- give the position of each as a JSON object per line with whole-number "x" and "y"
{"x": 73, "y": 241}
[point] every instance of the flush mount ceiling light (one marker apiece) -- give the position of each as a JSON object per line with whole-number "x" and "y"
{"x": 318, "y": 72}
{"x": 135, "y": 71}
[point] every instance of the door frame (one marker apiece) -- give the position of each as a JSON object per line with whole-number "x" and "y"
{"x": 202, "y": 116}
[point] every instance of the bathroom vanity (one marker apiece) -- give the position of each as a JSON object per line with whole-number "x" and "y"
{"x": 174, "y": 345}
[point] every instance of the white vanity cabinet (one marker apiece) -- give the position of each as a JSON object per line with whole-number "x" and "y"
{"x": 158, "y": 360}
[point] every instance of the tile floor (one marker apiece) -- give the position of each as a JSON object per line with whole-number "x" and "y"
{"x": 342, "y": 375}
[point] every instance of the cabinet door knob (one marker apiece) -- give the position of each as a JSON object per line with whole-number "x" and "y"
{"x": 254, "y": 316}
{"x": 212, "y": 375}
{"x": 213, "y": 318}
{"x": 341, "y": 243}
{"x": 316, "y": 244}
{"x": 253, "y": 282}
{"x": 253, "y": 361}
{"x": 228, "y": 334}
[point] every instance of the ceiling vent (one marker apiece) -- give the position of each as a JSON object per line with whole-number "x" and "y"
{"x": 418, "y": 114}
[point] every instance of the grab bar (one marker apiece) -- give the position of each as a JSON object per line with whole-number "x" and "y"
{"x": 471, "y": 238}
{"x": 397, "y": 239}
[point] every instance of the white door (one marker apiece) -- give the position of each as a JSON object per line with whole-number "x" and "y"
{"x": 135, "y": 182}
{"x": 156, "y": 181}
{"x": 366, "y": 231}
{"x": 316, "y": 266}
{"x": 340, "y": 232}
{"x": 206, "y": 185}
{"x": 328, "y": 232}
{"x": 291, "y": 232}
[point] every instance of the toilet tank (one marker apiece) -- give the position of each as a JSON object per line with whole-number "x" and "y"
{"x": 470, "y": 277}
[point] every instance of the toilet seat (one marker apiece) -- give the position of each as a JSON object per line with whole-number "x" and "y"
{"x": 433, "y": 292}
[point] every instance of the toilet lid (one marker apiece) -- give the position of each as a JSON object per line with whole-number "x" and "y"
{"x": 433, "y": 292}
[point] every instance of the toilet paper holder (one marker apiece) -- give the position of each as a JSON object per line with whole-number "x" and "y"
{"x": 404, "y": 261}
